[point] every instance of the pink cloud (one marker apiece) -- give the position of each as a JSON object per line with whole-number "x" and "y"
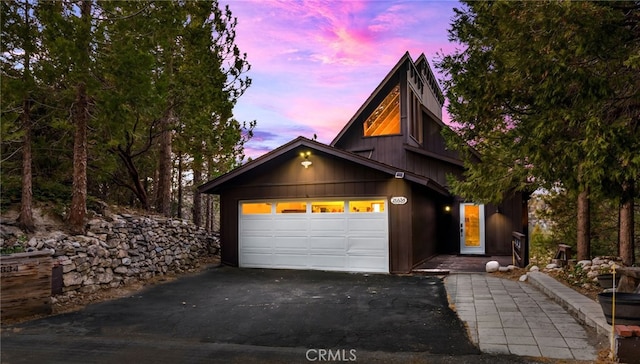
{"x": 315, "y": 62}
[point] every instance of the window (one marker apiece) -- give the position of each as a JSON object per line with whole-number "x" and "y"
{"x": 366, "y": 206}
{"x": 293, "y": 207}
{"x": 327, "y": 207}
{"x": 256, "y": 208}
{"x": 385, "y": 119}
{"x": 415, "y": 119}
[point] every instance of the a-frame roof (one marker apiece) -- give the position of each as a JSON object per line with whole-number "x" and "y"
{"x": 405, "y": 58}
{"x": 216, "y": 184}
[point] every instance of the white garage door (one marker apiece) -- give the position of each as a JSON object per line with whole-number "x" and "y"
{"x": 341, "y": 235}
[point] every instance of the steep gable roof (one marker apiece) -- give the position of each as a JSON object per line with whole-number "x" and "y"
{"x": 405, "y": 58}
{"x": 425, "y": 70}
{"x": 427, "y": 76}
{"x": 214, "y": 185}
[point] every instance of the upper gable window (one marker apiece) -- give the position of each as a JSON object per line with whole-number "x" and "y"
{"x": 415, "y": 119}
{"x": 385, "y": 119}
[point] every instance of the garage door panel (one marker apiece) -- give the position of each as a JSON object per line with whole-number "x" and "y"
{"x": 368, "y": 264}
{"x": 299, "y": 242}
{"x": 364, "y": 244}
{"x": 327, "y": 226}
{"x": 345, "y": 241}
{"x": 368, "y": 226}
{"x": 290, "y": 260}
{"x": 250, "y": 242}
{"x": 328, "y": 262}
{"x": 255, "y": 260}
{"x": 327, "y": 242}
{"x": 253, "y": 225}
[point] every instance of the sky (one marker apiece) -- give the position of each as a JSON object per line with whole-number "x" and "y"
{"x": 314, "y": 63}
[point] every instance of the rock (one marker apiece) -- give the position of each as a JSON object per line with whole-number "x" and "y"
{"x": 72, "y": 279}
{"x": 551, "y": 266}
{"x": 126, "y": 261}
{"x": 592, "y": 274}
{"x": 584, "y": 263}
{"x": 503, "y": 269}
{"x": 492, "y": 266}
{"x": 523, "y": 278}
{"x": 534, "y": 268}
{"x": 511, "y": 267}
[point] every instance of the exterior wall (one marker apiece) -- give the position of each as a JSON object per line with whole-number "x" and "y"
{"x": 426, "y": 223}
{"x": 499, "y": 226}
{"x": 326, "y": 177}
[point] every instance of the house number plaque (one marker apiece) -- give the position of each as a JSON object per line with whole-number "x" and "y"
{"x": 399, "y": 200}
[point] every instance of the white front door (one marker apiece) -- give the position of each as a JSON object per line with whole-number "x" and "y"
{"x": 471, "y": 228}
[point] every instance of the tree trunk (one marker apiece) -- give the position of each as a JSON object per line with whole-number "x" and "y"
{"x": 197, "y": 198}
{"x": 138, "y": 188}
{"x": 626, "y": 227}
{"x": 584, "y": 226}
{"x": 179, "y": 212}
{"x": 78, "y": 211}
{"x": 207, "y": 219}
{"x": 164, "y": 178}
{"x": 25, "y": 220}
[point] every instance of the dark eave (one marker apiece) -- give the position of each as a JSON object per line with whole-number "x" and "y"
{"x": 440, "y": 157}
{"x": 214, "y": 185}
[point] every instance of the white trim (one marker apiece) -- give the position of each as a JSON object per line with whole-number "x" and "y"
{"x": 464, "y": 249}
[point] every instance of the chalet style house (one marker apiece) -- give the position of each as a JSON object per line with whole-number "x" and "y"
{"x": 374, "y": 200}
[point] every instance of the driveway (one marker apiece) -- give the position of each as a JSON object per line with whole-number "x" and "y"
{"x": 254, "y": 315}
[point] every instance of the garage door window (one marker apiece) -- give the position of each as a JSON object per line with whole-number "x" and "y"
{"x": 327, "y": 207}
{"x": 292, "y": 207}
{"x": 366, "y": 206}
{"x": 256, "y": 208}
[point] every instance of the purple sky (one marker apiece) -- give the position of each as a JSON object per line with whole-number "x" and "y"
{"x": 314, "y": 63}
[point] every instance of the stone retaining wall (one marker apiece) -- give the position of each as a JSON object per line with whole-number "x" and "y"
{"x": 124, "y": 250}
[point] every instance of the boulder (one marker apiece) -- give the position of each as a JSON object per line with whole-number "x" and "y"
{"x": 492, "y": 266}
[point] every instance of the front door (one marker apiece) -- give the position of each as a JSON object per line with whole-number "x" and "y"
{"x": 471, "y": 228}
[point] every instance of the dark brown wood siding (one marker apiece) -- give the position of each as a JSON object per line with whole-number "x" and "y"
{"x": 432, "y": 168}
{"x": 426, "y": 209}
{"x": 500, "y": 225}
{"x": 328, "y": 176}
{"x": 433, "y": 139}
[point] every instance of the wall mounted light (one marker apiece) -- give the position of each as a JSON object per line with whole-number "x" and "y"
{"x": 306, "y": 162}
{"x": 447, "y": 208}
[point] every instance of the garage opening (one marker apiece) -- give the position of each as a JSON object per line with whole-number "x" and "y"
{"x": 324, "y": 234}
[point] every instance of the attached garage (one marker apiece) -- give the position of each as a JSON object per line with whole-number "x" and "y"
{"x": 340, "y": 212}
{"x": 337, "y": 234}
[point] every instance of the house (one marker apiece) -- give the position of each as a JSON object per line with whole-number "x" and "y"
{"x": 374, "y": 200}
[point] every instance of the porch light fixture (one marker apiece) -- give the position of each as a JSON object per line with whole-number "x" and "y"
{"x": 399, "y": 174}
{"x": 306, "y": 162}
{"x": 447, "y": 208}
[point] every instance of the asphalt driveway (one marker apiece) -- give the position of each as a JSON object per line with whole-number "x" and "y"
{"x": 254, "y": 315}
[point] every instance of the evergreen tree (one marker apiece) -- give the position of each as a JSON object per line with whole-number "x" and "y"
{"x": 534, "y": 89}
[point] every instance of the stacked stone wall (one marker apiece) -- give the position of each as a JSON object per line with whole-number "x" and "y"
{"x": 123, "y": 250}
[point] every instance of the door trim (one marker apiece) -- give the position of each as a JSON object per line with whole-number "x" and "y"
{"x": 472, "y": 228}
